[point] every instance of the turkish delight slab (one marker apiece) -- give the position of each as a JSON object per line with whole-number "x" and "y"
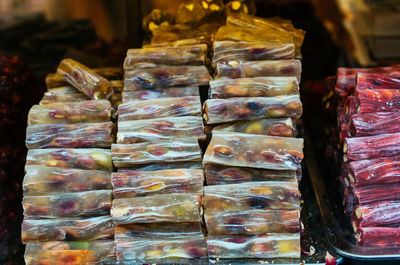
{"x": 153, "y": 130}
{"x": 85, "y": 79}
{"x": 383, "y": 145}
{"x": 378, "y": 237}
{"x": 65, "y": 90}
{"x": 217, "y": 175}
{"x": 152, "y": 57}
{"x": 251, "y": 51}
{"x": 88, "y": 203}
{"x": 82, "y": 229}
{"x": 278, "y": 68}
{"x": 368, "y": 124}
{"x": 257, "y": 151}
{"x": 271, "y": 195}
{"x": 252, "y": 222}
{"x": 146, "y": 183}
{"x": 178, "y": 150}
{"x": 378, "y": 100}
{"x": 251, "y": 108}
{"x": 158, "y": 108}
{"x": 171, "y": 92}
{"x": 375, "y": 171}
{"x": 262, "y": 246}
{"x": 53, "y": 97}
{"x": 79, "y": 135}
{"x": 158, "y": 230}
{"x": 374, "y": 193}
{"x": 89, "y": 111}
{"x": 283, "y": 127}
{"x": 90, "y": 159}
{"x": 153, "y": 167}
{"x": 42, "y": 180}
{"x": 379, "y": 214}
{"x": 254, "y": 87}
{"x": 377, "y": 81}
{"x": 167, "y": 76}
{"x": 172, "y": 208}
{"x": 55, "y": 80}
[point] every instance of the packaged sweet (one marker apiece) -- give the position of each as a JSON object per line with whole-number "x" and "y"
{"x": 55, "y": 80}
{"x": 251, "y": 51}
{"x": 368, "y": 124}
{"x": 90, "y": 159}
{"x": 375, "y": 193}
{"x": 262, "y": 246}
{"x": 158, "y": 230}
{"x": 75, "y": 229}
{"x": 89, "y": 111}
{"x": 146, "y": 183}
{"x": 254, "y": 87}
{"x": 283, "y": 127}
{"x": 171, "y": 92}
{"x": 178, "y": 150}
{"x": 271, "y": 195}
{"x": 149, "y": 57}
{"x": 153, "y": 130}
{"x": 251, "y": 108}
{"x": 88, "y": 203}
{"x": 256, "y": 151}
{"x": 378, "y": 237}
{"x": 85, "y": 79}
{"x": 379, "y": 214}
{"x": 166, "y": 208}
{"x": 79, "y": 135}
{"x": 158, "y": 108}
{"x": 252, "y": 222}
{"x": 166, "y": 76}
{"x": 53, "y": 97}
{"x": 217, "y": 175}
{"x": 43, "y": 180}
{"x": 273, "y": 68}
{"x": 153, "y": 167}
{"x": 110, "y": 73}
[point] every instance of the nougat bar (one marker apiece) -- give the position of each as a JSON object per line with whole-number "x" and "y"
{"x": 171, "y": 92}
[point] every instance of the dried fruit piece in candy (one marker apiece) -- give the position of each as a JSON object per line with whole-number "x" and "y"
{"x": 374, "y": 193}
{"x": 84, "y": 79}
{"x": 174, "y": 208}
{"x": 79, "y": 135}
{"x": 55, "y": 80}
{"x": 179, "y": 150}
{"x": 158, "y": 108}
{"x": 88, "y": 203}
{"x": 91, "y": 159}
{"x": 89, "y": 111}
{"x": 378, "y": 237}
{"x": 137, "y": 184}
{"x": 368, "y": 124}
{"x": 94, "y": 228}
{"x": 263, "y": 246}
{"x": 257, "y": 151}
{"x": 42, "y": 180}
{"x": 153, "y": 167}
{"x": 382, "y": 214}
{"x": 271, "y": 195}
{"x": 171, "y": 92}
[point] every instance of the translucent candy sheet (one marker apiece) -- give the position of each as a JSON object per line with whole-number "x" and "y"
{"x": 273, "y": 68}
{"x": 254, "y": 87}
{"x": 152, "y": 57}
{"x": 84, "y": 79}
{"x": 251, "y": 51}
{"x": 275, "y": 127}
{"x": 377, "y": 100}
{"x": 110, "y": 73}
{"x": 368, "y": 124}
{"x": 91, "y": 159}
{"x": 55, "y": 80}
{"x": 374, "y": 193}
{"x": 251, "y": 108}
{"x": 82, "y": 229}
{"x": 375, "y": 171}
{"x": 153, "y": 167}
{"x": 263, "y": 246}
{"x": 257, "y": 151}
{"x": 252, "y": 222}
{"x": 166, "y": 76}
{"x": 217, "y": 175}
{"x": 158, "y": 230}
{"x": 42, "y": 180}
{"x": 382, "y": 214}
{"x": 158, "y": 108}
{"x": 68, "y": 253}
{"x": 79, "y": 135}
{"x": 153, "y": 130}
{"x": 146, "y": 183}
{"x": 179, "y": 150}
{"x": 89, "y": 111}
{"x": 167, "y": 208}
{"x": 88, "y": 203}
{"x": 383, "y": 145}
{"x": 378, "y": 237}
{"x": 271, "y": 195}
{"x": 171, "y": 92}
{"x": 53, "y": 97}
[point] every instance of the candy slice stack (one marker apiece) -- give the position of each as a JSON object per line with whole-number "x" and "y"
{"x": 252, "y": 164}
{"x": 67, "y": 187}
{"x": 370, "y": 137}
{"x": 159, "y": 187}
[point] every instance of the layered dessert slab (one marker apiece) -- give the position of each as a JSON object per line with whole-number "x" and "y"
{"x": 171, "y": 92}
